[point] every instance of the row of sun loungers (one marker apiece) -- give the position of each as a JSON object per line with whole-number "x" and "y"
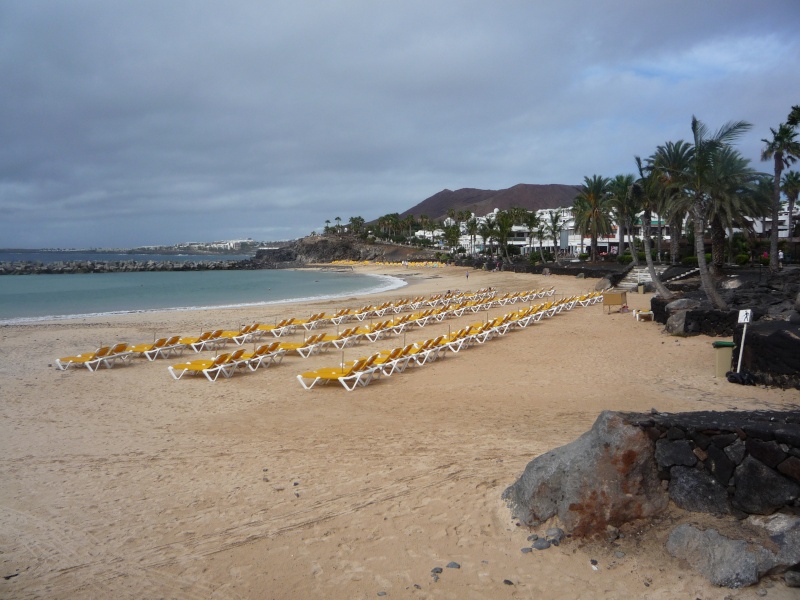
{"x": 361, "y": 372}
{"x": 439, "y": 307}
{"x": 105, "y": 356}
{"x": 227, "y": 364}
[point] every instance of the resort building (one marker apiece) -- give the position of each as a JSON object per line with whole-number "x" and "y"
{"x": 570, "y": 242}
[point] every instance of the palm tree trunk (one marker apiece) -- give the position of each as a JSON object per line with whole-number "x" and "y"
{"x": 675, "y": 232}
{"x": 659, "y": 239}
{"x": 632, "y": 245}
{"x": 705, "y": 277}
{"x": 717, "y": 246}
{"x": 776, "y": 206}
{"x": 648, "y": 257}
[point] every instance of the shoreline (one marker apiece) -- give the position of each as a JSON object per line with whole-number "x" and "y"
{"x": 391, "y": 283}
{"x": 125, "y": 483}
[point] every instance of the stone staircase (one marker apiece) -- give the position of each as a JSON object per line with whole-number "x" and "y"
{"x": 636, "y": 276}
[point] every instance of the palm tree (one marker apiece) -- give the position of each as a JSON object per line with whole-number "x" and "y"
{"x": 730, "y": 176}
{"x": 504, "y": 224}
{"x": 594, "y": 208}
{"x": 580, "y": 208}
{"x": 472, "y": 231}
{"x": 759, "y": 205}
{"x": 423, "y": 222}
{"x": 408, "y": 224}
{"x": 356, "y": 225}
{"x": 625, "y": 207}
{"x": 451, "y": 214}
{"x": 791, "y": 187}
{"x": 327, "y": 225}
{"x": 533, "y": 222}
{"x": 646, "y": 191}
{"x": 487, "y": 231}
{"x": 518, "y": 214}
{"x": 381, "y": 222}
{"x": 338, "y": 224}
{"x": 794, "y": 117}
{"x": 554, "y": 227}
{"x": 784, "y": 149}
{"x": 698, "y": 179}
{"x": 451, "y": 235}
{"x": 393, "y": 221}
{"x": 672, "y": 161}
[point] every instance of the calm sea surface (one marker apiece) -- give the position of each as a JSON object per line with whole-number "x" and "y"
{"x": 27, "y": 298}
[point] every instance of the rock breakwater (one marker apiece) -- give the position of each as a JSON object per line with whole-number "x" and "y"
{"x": 120, "y": 266}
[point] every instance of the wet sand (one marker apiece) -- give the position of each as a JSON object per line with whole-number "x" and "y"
{"x": 127, "y": 484}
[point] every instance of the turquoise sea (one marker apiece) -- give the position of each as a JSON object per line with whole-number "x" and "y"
{"x": 30, "y": 298}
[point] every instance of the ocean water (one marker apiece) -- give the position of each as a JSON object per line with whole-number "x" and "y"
{"x": 54, "y": 256}
{"x": 30, "y": 298}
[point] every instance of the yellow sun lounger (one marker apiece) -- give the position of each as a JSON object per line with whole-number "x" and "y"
{"x": 280, "y": 328}
{"x": 245, "y": 334}
{"x": 394, "y": 360}
{"x": 359, "y": 373}
{"x": 161, "y": 347}
{"x": 311, "y": 345}
{"x": 90, "y": 360}
{"x": 119, "y": 353}
{"x": 211, "y": 368}
{"x": 263, "y": 356}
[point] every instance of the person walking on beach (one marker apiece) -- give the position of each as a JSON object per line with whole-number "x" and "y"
{"x": 467, "y": 275}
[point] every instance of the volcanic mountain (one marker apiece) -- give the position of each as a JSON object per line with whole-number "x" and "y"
{"x": 481, "y": 202}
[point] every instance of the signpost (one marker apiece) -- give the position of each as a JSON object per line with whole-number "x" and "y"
{"x": 745, "y": 317}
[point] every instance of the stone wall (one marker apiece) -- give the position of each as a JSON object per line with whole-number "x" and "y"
{"x": 722, "y": 463}
{"x": 771, "y": 353}
{"x": 687, "y": 316}
{"x": 629, "y": 465}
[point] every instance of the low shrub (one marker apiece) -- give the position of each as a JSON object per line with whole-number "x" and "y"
{"x": 741, "y": 259}
{"x": 689, "y": 261}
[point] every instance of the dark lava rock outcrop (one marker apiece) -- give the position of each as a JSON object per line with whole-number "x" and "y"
{"x": 629, "y": 465}
{"x": 321, "y": 249}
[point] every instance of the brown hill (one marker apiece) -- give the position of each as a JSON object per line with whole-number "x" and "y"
{"x": 481, "y": 202}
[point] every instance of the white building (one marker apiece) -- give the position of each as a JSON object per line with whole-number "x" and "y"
{"x": 763, "y": 227}
{"x": 570, "y": 242}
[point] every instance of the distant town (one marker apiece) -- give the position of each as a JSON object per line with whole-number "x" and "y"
{"x": 247, "y": 246}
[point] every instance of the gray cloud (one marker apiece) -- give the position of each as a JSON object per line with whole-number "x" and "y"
{"x": 151, "y": 122}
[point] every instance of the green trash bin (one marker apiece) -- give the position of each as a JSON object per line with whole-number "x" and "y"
{"x": 723, "y": 354}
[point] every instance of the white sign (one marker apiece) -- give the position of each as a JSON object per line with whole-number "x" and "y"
{"x": 745, "y": 316}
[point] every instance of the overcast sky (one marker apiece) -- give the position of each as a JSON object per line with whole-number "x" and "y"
{"x": 157, "y": 122}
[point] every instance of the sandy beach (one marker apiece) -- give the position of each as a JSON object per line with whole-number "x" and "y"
{"x": 127, "y": 484}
